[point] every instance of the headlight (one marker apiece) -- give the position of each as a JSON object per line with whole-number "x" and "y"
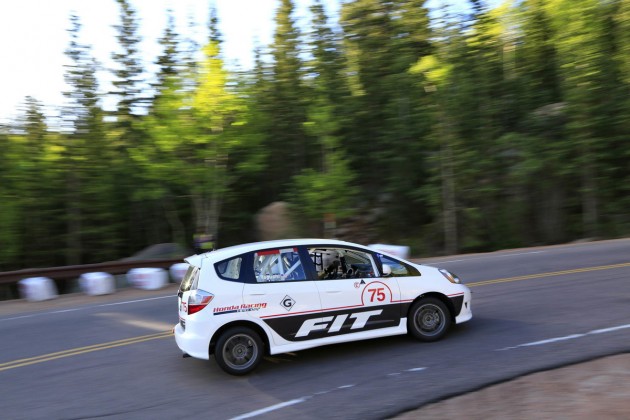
{"x": 449, "y": 276}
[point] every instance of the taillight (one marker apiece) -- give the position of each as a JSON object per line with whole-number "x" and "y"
{"x": 198, "y": 300}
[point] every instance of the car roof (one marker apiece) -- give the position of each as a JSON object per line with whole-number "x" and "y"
{"x": 222, "y": 253}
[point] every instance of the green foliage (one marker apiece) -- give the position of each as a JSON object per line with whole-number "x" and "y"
{"x": 504, "y": 128}
{"x": 290, "y": 149}
{"x": 330, "y": 191}
{"x": 9, "y": 211}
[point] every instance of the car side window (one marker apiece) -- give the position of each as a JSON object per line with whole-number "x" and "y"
{"x": 278, "y": 265}
{"x": 341, "y": 263}
{"x": 190, "y": 279}
{"x": 229, "y": 269}
{"x": 399, "y": 269}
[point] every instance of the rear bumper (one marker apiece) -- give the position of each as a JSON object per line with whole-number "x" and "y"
{"x": 189, "y": 343}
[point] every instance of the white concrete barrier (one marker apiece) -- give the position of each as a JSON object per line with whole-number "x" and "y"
{"x": 36, "y": 289}
{"x": 178, "y": 271}
{"x": 147, "y": 278}
{"x": 97, "y": 283}
{"x": 395, "y": 250}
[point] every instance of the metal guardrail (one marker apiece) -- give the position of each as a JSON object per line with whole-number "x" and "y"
{"x": 74, "y": 271}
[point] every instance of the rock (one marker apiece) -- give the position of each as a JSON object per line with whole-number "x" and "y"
{"x": 274, "y": 222}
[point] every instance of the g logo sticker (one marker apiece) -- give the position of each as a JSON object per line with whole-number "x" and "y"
{"x": 287, "y": 302}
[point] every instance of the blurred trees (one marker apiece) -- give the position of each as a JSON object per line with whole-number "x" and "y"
{"x": 289, "y": 147}
{"x": 32, "y": 190}
{"x": 127, "y": 134}
{"x": 325, "y": 189}
{"x": 444, "y": 130}
{"x": 85, "y": 153}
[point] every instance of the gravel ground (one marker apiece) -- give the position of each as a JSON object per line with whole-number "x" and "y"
{"x": 599, "y": 389}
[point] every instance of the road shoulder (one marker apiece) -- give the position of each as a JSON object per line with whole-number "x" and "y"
{"x": 596, "y": 389}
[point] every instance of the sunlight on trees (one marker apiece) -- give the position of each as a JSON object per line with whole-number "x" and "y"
{"x": 449, "y": 131}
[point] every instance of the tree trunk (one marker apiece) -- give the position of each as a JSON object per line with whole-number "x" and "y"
{"x": 448, "y": 202}
{"x": 73, "y": 222}
{"x": 449, "y": 205}
{"x": 589, "y": 200}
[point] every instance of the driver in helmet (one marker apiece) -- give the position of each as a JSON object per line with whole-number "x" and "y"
{"x": 331, "y": 265}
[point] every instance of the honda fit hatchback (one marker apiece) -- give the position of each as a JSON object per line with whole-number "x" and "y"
{"x": 243, "y": 302}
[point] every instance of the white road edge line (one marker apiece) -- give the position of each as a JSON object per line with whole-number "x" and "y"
{"x": 605, "y": 330}
{"x": 269, "y": 409}
{"x": 134, "y": 301}
{"x": 553, "y": 340}
{"x": 566, "y": 337}
{"x": 302, "y": 399}
{"x": 18, "y": 317}
{"x": 60, "y": 311}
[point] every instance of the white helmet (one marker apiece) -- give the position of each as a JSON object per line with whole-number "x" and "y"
{"x": 328, "y": 258}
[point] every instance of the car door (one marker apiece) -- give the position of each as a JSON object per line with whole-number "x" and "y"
{"x": 280, "y": 293}
{"x": 353, "y": 294}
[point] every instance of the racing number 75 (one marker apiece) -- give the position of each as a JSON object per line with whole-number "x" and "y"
{"x": 378, "y": 293}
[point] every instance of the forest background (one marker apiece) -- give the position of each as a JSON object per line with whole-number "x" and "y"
{"x": 447, "y": 132}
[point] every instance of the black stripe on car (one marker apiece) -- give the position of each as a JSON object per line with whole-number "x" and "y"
{"x": 331, "y": 323}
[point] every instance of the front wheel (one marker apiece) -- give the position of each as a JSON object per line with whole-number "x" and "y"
{"x": 429, "y": 319}
{"x": 239, "y": 350}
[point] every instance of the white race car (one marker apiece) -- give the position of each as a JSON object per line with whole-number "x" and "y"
{"x": 242, "y": 302}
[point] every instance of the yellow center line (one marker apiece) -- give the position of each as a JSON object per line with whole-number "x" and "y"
{"x": 551, "y": 274}
{"x": 82, "y": 350}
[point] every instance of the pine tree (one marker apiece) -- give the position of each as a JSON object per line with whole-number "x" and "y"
{"x": 91, "y": 230}
{"x": 169, "y": 59}
{"x": 388, "y": 106}
{"x": 580, "y": 53}
{"x": 127, "y": 134}
{"x": 324, "y": 192}
{"x": 128, "y": 83}
{"x": 39, "y": 202}
{"x": 290, "y": 149}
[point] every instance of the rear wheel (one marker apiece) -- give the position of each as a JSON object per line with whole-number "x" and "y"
{"x": 238, "y": 350}
{"x": 429, "y": 319}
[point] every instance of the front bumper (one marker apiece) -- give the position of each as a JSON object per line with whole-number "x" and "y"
{"x": 465, "y": 313}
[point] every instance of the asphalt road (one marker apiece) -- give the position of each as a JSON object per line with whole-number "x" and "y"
{"x": 114, "y": 357}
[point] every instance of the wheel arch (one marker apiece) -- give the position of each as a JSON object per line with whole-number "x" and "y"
{"x": 240, "y": 323}
{"x": 442, "y": 297}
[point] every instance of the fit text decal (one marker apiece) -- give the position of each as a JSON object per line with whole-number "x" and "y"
{"x": 331, "y": 324}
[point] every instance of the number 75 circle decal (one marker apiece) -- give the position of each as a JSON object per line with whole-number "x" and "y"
{"x": 376, "y": 293}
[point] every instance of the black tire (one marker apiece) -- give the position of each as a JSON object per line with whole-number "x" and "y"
{"x": 239, "y": 350}
{"x": 429, "y": 319}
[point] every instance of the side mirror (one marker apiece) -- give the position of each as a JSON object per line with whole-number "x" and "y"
{"x": 387, "y": 270}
